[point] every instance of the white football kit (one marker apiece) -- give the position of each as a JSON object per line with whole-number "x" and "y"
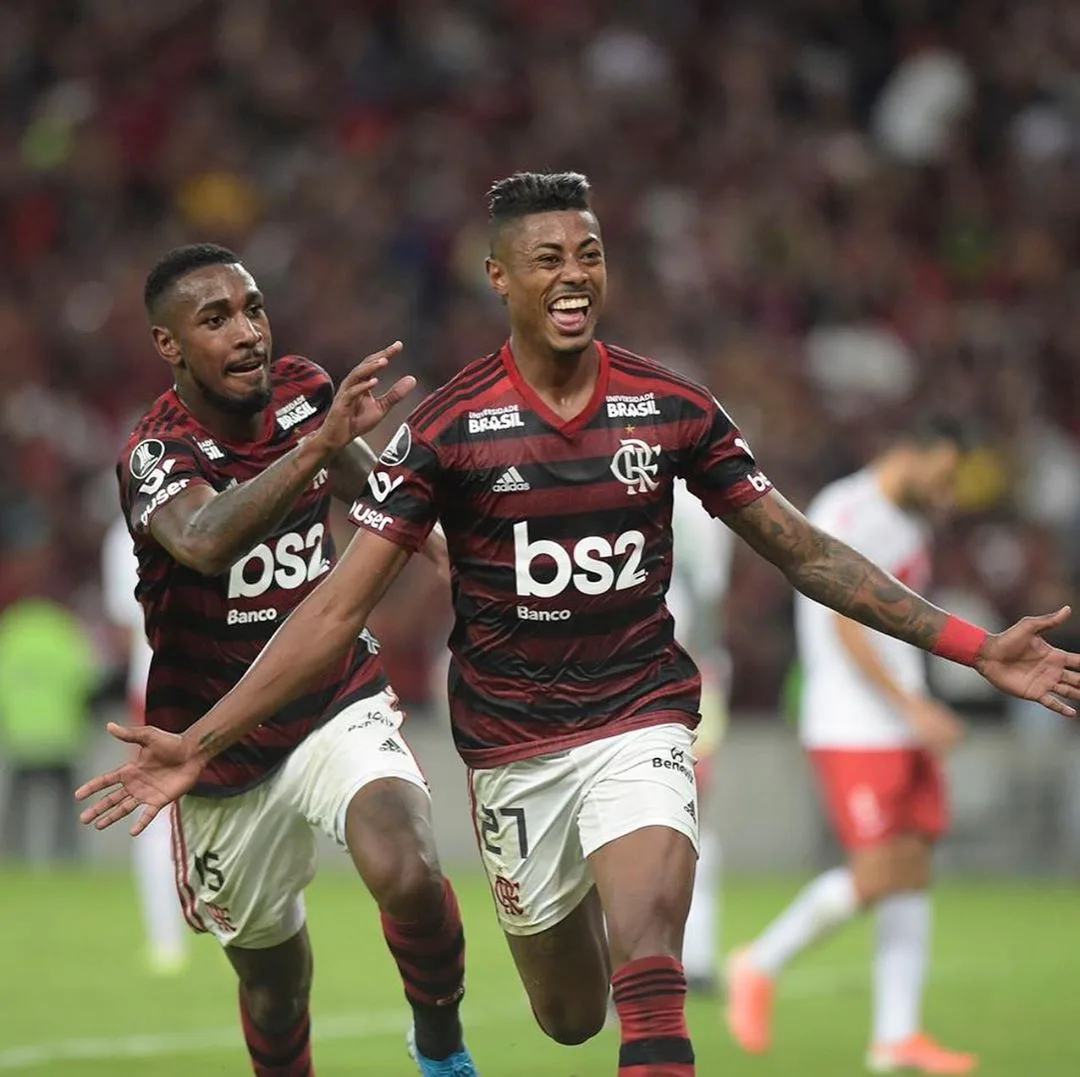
{"x": 840, "y": 709}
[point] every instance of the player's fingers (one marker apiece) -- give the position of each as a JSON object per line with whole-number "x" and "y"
{"x": 1072, "y": 661}
{"x": 1051, "y": 702}
{"x": 1067, "y": 688}
{"x": 362, "y": 372}
{"x": 371, "y": 364}
{"x": 397, "y": 392}
{"x": 388, "y": 352}
{"x": 1046, "y": 621}
{"x": 105, "y": 804}
{"x": 357, "y": 390}
{"x": 114, "y": 815}
{"x": 133, "y": 734}
{"x": 149, "y": 814}
{"x": 97, "y": 785}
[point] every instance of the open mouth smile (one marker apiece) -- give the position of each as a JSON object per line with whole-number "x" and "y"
{"x": 570, "y": 313}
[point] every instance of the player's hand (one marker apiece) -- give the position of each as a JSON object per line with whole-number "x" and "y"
{"x": 160, "y": 771}
{"x": 356, "y": 409}
{"x": 1019, "y": 661}
{"x": 937, "y": 728}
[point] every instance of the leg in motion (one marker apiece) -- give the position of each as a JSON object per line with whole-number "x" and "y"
{"x": 566, "y": 972}
{"x": 865, "y": 794}
{"x": 645, "y": 880}
{"x": 389, "y": 834}
{"x": 275, "y": 988}
{"x": 901, "y": 959}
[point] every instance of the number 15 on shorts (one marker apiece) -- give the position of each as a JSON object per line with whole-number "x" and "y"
{"x": 498, "y": 826}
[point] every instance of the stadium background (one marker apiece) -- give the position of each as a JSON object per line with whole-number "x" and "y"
{"x": 834, "y": 213}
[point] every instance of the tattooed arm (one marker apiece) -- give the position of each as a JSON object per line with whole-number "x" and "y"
{"x": 830, "y": 572}
{"x": 210, "y": 531}
{"x": 1018, "y": 661}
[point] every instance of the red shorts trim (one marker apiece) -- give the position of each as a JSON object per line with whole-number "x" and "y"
{"x": 184, "y": 889}
{"x": 874, "y": 795}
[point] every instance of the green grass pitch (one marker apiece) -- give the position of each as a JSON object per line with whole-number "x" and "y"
{"x": 75, "y": 999}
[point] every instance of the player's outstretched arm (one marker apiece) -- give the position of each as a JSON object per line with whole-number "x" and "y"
{"x": 1018, "y": 661}
{"x": 210, "y": 531}
{"x": 313, "y": 637}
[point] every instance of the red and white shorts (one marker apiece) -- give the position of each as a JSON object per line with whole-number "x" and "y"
{"x": 873, "y": 795}
{"x": 243, "y": 862}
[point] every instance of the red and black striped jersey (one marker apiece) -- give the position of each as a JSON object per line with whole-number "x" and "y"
{"x": 560, "y": 545}
{"x": 206, "y": 630}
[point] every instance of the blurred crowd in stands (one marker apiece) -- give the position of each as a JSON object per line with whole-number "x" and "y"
{"x": 834, "y": 213}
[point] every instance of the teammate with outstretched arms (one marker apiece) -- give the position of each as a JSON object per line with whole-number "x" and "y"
{"x": 226, "y": 485}
{"x": 550, "y": 464}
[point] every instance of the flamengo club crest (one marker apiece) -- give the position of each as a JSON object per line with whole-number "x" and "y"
{"x": 635, "y": 465}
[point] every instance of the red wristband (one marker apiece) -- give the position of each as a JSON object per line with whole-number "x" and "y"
{"x": 960, "y": 641}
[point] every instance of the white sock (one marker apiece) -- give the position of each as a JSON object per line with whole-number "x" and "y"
{"x": 700, "y": 953}
{"x": 826, "y": 903}
{"x": 155, "y": 878}
{"x": 901, "y": 956}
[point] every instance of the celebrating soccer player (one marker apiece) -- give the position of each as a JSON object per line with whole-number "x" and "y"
{"x": 226, "y": 485}
{"x": 550, "y": 464}
{"x": 875, "y": 737}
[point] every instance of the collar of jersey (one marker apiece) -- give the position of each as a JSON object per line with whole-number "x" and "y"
{"x": 567, "y": 427}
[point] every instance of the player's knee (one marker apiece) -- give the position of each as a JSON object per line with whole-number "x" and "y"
{"x": 415, "y": 893}
{"x": 407, "y": 884}
{"x": 573, "y": 1023}
{"x": 388, "y": 831}
{"x": 651, "y": 928}
{"x": 277, "y": 1007}
{"x": 901, "y": 865}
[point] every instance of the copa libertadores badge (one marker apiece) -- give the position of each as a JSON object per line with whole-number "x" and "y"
{"x": 146, "y": 456}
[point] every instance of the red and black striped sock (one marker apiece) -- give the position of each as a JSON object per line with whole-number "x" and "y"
{"x": 650, "y": 997}
{"x": 278, "y": 1054}
{"x": 430, "y": 956}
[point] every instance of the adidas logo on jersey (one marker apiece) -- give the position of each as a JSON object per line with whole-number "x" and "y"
{"x": 391, "y": 745}
{"x": 510, "y": 481}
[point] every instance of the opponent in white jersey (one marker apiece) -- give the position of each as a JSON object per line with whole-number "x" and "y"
{"x": 875, "y": 738}
{"x": 701, "y": 568}
{"x": 841, "y": 706}
{"x": 151, "y": 852}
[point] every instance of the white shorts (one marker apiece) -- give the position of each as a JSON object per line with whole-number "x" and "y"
{"x": 242, "y": 862}
{"x": 538, "y": 820}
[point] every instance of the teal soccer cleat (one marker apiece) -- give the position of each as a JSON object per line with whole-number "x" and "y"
{"x": 459, "y": 1064}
